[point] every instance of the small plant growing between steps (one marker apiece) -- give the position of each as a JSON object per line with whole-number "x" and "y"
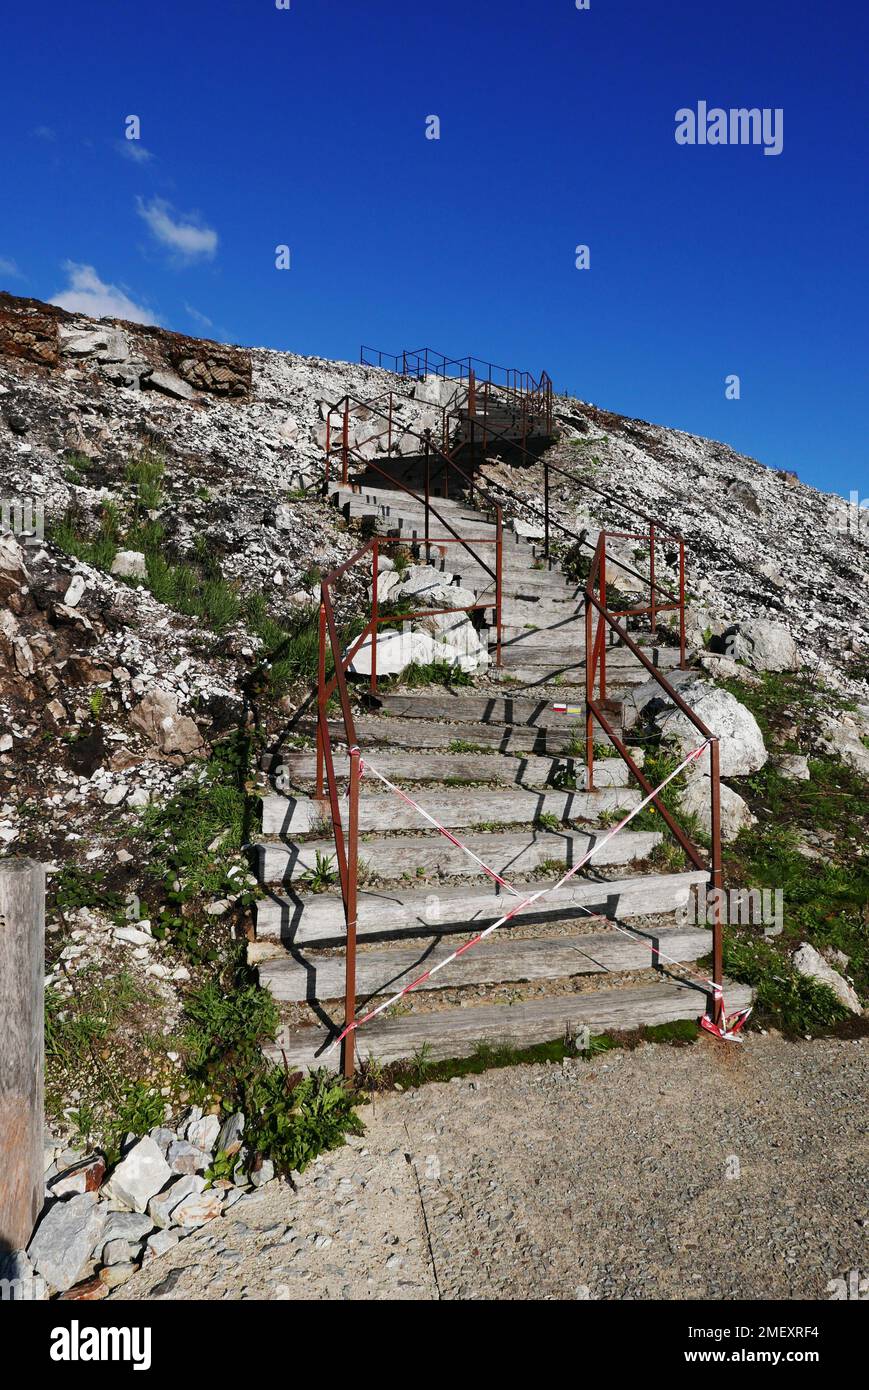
{"x": 322, "y": 874}
{"x": 548, "y": 821}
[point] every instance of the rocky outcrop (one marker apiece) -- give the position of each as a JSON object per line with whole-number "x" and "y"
{"x": 810, "y": 963}
{"x": 764, "y": 646}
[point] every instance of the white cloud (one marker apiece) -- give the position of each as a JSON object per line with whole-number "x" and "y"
{"x": 134, "y": 150}
{"x": 180, "y": 232}
{"x": 86, "y": 293}
{"x": 9, "y": 268}
{"x": 201, "y": 319}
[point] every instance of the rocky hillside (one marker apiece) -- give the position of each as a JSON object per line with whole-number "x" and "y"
{"x": 160, "y": 631}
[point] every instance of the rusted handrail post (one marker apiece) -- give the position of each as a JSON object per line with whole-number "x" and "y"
{"x": 375, "y": 576}
{"x": 499, "y": 581}
{"x": 350, "y": 947}
{"x": 652, "y": 575}
{"x": 717, "y": 874}
{"x": 546, "y": 509}
{"x": 345, "y": 443}
{"x": 427, "y": 489}
{"x": 589, "y": 696}
{"x": 328, "y": 455}
{"x": 321, "y": 701}
{"x": 22, "y": 1049}
{"x": 389, "y": 436}
{"x": 603, "y": 599}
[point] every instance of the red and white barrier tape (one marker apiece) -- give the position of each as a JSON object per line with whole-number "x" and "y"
{"x": 526, "y": 902}
{"x": 369, "y": 767}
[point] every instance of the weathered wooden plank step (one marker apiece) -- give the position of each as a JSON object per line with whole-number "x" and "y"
{"x": 308, "y": 975}
{"x": 509, "y": 853}
{"x": 457, "y": 808}
{"x": 481, "y": 708}
{"x": 372, "y": 731}
{"x": 457, "y": 1032}
{"x": 318, "y": 918}
{"x": 533, "y": 771}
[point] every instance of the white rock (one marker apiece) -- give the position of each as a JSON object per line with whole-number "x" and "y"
{"x": 61, "y": 1249}
{"x": 763, "y": 645}
{"x": 162, "y": 1206}
{"x": 793, "y": 766}
{"x": 808, "y": 962}
{"x": 742, "y": 748}
{"x": 697, "y": 800}
{"x": 203, "y": 1132}
{"x": 130, "y": 564}
{"x": 76, "y": 588}
{"x": 140, "y": 1174}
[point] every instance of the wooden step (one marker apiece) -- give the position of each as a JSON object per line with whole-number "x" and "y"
{"x": 300, "y": 768}
{"x": 455, "y": 808}
{"x": 309, "y": 975}
{"x": 509, "y": 853}
{"x": 318, "y": 918}
{"x": 458, "y": 1032}
{"x": 373, "y": 732}
{"x": 480, "y": 708}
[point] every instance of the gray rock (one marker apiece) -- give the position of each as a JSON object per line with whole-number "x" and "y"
{"x": 809, "y": 963}
{"x": 184, "y": 1157}
{"x": 117, "y": 1252}
{"x": 229, "y": 1140}
{"x": 203, "y": 1132}
{"x": 197, "y": 1208}
{"x": 158, "y": 717}
{"x": 697, "y": 801}
{"x": 163, "y": 1137}
{"x": 762, "y": 645}
{"x": 139, "y": 1175}
{"x": 61, "y": 1249}
{"x": 161, "y": 1206}
{"x": 129, "y": 1226}
{"x": 169, "y": 384}
{"x": 158, "y": 1244}
{"x": 793, "y": 766}
{"x": 742, "y": 748}
{"x": 263, "y": 1174}
{"x": 130, "y": 564}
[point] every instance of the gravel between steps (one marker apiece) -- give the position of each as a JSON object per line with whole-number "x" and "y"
{"x": 606, "y": 1179}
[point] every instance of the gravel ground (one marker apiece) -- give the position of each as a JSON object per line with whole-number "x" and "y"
{"x": 670, "y": 1173}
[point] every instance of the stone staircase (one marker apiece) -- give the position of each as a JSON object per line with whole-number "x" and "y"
{"x": 504, "y": 773}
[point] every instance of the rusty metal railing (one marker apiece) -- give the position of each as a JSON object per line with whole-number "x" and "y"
{"x": 596, "y": 603}
{"x": 347, "y": 844}
{"x": 533, "y": 395}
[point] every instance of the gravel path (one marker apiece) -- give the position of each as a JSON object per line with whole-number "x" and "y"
{"x": 694, "y": 1172}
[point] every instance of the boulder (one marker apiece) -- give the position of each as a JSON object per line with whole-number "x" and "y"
{"x": 158, "y": 717}
{"x": 741, "y": 741}
{"x": 162, "y": 1206}
{"x": 203, "y": 1131}
{"x": 811, "y": 964}
{"x": 184, "y": 1157}
{"x": 841, "y": 737}
{"x": 793, "y": 766}
{"x": 86, "y": 1176}
{"x": 762, "y": 645}
{"x": 141, "y": 1173}
{"x": 697, "y": 801}
{"x": 61, "y": 1249}
{"x": 130, "y": 564}
{"x": 169, "y": 384}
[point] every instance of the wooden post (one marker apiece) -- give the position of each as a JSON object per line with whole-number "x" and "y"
{"x": 22, "y": 1049}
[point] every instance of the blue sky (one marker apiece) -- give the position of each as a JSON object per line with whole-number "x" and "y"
{"x": 306, "y": 127}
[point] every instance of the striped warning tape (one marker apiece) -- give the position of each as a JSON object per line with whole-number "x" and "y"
{"x": 519, "y": 906}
